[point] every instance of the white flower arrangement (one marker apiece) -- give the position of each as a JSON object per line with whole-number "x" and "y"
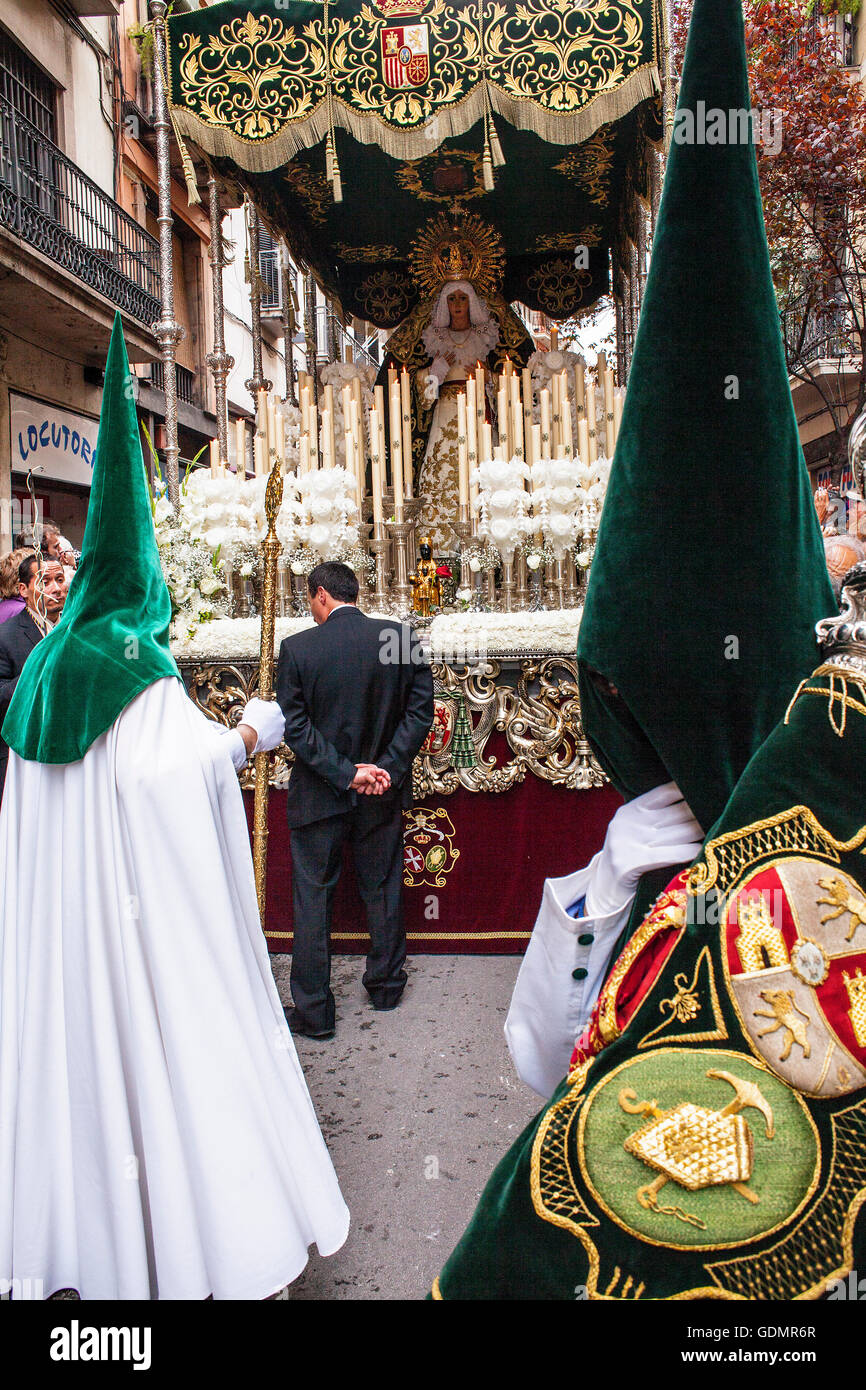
{"x": 237, "y": 639}
{"x": 503, "y": 503}
{"x": 326, "y": 512}
{"x": 456, "y": 636}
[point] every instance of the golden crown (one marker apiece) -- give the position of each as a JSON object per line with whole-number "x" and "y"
{"x": 462, "y": 248}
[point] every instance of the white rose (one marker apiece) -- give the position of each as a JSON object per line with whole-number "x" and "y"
{"x": 319, "y": 536}
{"x": 475, "y": 564}
{"x": 533, "y": 561}
{"x": 297, "y": 567}
{"x": 583, "y": 558}
{"x": 162, "y": 510}
{"x": 464, "y": 595}
{"x": 210, "y": 585}
{"x": 561, "y": 525}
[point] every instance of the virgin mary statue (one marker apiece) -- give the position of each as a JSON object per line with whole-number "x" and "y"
{"x": 461, "y": 321}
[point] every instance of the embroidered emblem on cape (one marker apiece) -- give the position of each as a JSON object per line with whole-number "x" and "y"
{"x": 405, "y": 55}
{"x": 692, "y": 1013}
{"x": 719, "y": 1179}
{"x": 428, "y": 847}
{"x": 794, "y": 942}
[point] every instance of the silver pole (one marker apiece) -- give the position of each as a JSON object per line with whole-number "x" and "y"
{"x": 219, "y": 361}
{"x": 167, "y": 331}
{"x": 289, "y": 322}
{"x": 257, "y": 381}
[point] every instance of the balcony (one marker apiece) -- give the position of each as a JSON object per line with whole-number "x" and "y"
{"x": 53, "y": 207}
{"x": 827, "y": 332}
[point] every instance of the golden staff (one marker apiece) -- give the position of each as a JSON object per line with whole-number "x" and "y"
{"x": 272, "y": 548}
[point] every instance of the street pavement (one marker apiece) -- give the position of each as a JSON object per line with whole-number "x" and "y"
{"x": 417, "y": 1106}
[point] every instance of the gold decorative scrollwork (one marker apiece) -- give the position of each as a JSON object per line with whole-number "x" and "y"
{"x": 538, "y": 711}
{"x": 562, "y": 55}
{"x": 558, "y": 286}
{"x": 255, "y": 76}
{"x": 385, "y": 296}
{"x": 549, "y": 242}
{"x": 590, "y": 165}
{"x": 313, "y": 190}
{"x": 416, "y": 175}
{"x": 364, "y": 254}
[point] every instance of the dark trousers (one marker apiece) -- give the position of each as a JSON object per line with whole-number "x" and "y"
{"x": 317, "y": 857}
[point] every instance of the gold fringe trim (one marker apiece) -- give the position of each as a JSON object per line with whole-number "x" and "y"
{"x": 436, "y": 1291}
{"x": 556, "y": 128}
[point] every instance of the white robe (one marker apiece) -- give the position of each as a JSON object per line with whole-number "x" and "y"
{"x": 157, "y": 1139}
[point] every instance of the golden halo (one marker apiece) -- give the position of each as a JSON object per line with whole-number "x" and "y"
{"x": 462, "y": 248}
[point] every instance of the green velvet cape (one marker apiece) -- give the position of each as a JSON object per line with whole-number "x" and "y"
{"x": 750, "y": 973}
{"x": 112, "y": 639}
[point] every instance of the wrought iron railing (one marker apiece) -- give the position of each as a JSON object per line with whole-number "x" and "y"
{"x": 814, "y": 333}
{"x": 332, "y": 340}
{"x": 52, "y": 205}
{"x": 185, "y": 381}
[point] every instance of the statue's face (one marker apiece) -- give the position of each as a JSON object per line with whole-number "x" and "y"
{"x": 426, "y": 552}
{"x": 458, "y": 309}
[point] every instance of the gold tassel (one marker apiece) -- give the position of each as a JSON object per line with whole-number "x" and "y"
{"x": 192, "y": 193}
{"x": 487, "y": 167}
{"x": 329, "y": 158}
{"x": 495, "y": 147}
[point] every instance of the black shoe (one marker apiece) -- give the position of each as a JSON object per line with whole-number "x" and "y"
{"x": 303, "y": 1030}
{"x": 385, "y": 1002}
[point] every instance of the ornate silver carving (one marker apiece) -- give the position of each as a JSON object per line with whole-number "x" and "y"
{"x": 843, "y": 638}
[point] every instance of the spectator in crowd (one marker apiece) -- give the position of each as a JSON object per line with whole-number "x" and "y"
{"x": 43, "y": 593}
{"x": 11, "y": 601}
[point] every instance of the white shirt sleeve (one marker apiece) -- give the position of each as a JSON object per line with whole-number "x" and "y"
{"x": 559, "y": 980}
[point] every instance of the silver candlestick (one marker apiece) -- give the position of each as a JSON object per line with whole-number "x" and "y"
{"x": 379, "y": 547}
{"x": 400, "y": 532}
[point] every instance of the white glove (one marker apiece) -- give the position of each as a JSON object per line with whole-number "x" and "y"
{"x": 431, "y": 389}
{"x": 650, "y": 832}
{"x": 266, "y": 717}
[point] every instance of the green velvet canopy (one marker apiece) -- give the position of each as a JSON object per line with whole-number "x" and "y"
{"x": 112, "y": 640}
{"x": 411, "y": 93}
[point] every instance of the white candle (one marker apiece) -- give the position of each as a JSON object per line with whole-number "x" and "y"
{"x": 502, "y": 412}
{"x": 565, "y": 413}
{"x": 618, "y": 403}
{"x": 395, "y": 418}
{"x": 406, "y": 416}
{"x": 583, "y": 439}
{"x": 462, "y": 452}
{"x": 375, "y": 465}
{"x": 486, "y": 441}
{"x": 517, "y": 416}
{"x": 214, "y": 458}
{"x": 607, "y": 383}
{"x": 304, "y": 454}
{"x": 546, "y": 440}
{"x": 327, "y": 446}
{"x": 535, "y": 435}
{"x": 240, "y": 446}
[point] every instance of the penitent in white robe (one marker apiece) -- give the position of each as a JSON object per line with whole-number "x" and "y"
{"x": 157, "y": 1139}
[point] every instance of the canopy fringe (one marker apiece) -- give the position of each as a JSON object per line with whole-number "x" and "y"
{"x": 555, "y": 128}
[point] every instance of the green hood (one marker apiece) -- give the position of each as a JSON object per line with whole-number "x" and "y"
{"x": 709, "y": 572}
{"x": 112, "y": 640}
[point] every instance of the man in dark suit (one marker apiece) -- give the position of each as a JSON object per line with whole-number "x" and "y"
{"x": 43, "y": 592}
{"x": 357, "y": 696}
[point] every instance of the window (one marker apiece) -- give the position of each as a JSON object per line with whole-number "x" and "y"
{"x": 26, "y": 88}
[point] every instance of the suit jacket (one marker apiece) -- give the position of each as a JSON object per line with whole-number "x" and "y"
{"x": 18, "y": 637}
{"x": 353, "y": 690}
